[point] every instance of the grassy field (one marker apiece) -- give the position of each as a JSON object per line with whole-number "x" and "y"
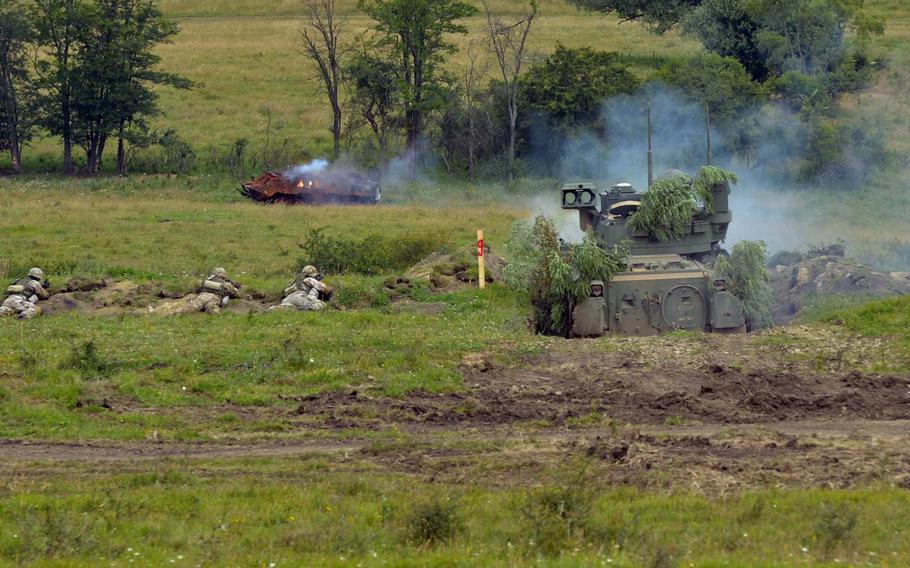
{"x": 223, "y": 513}
{"x": 131, "y": 384}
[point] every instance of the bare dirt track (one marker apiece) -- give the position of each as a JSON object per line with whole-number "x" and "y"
{"x": 706, "y": 413}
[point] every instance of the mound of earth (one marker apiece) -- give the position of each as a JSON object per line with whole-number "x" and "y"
{"x": 445, "y": 271}
{"x": 829, "y": 274}
{"x": 108, "y": 297}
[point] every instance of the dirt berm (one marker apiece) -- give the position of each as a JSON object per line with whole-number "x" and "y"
{"x": 796, "y": 284}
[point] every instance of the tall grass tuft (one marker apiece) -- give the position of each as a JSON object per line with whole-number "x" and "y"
{"x": 434, "y": 522}
{"x": 835, "y": 525}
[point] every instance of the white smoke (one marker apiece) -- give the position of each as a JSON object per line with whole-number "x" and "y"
{"x": 779, "y": 214}
{"x": 315, "y": 166}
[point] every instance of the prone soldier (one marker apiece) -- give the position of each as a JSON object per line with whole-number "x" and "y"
{"x": 307, "y": 292}
{"x": 217, "y": 291}
{"x": 23, "y": 295}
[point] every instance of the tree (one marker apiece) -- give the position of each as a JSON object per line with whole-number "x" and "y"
{"x": 414, "y": 31}
{"x": 508, "y": 43}
{"x": 58, "y": 25}
{"x": 721, "y": 84}
{"x": 143, "y": 29}
{"x": 321, "y": 41}
{"x": 16, "y": 35}
{"x": 115, "y": 70}
{"x": 99, "y": 70}
{"x": 468, "y": 130}
{"x": 659, "y": 15}
{"x": 376, "y": 93}
{"x": 571, "y": 84}
{"x": 769, "y": 37}
{"x": 730, "y": 29}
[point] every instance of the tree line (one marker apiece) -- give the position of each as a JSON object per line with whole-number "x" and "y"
{"x": 792, "y": 55}
{"x": 83, "y": 71}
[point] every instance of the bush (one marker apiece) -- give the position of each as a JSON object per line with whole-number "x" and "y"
{"x": 556, "y": 278}
{"x": 748, "y": 280}
{"x": 167, "y": 153}
{"x": 371, "y": 255}
{"x": 434, "y": 522}
{"x": 720, "y": 83}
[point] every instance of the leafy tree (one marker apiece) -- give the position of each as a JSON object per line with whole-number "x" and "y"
{"x": 571, "y": 84}
{"x": 720, "y": 83}
{"x": 414, "y": 31}
{"x": 321, "y": 39}
{"x": 659, "y": 15}
{"x": 771, "y": 37}
{"x": 98, "y": 71}
{"x": 59, "y": 24}
{"x": 144, "y": 28}
{"x": 16, "y": 90}
{"x": 375, "y": 92}
{"x": 508, "y": 42}
{"x": 115, "y": 72}
{"x": 729, "y": 28}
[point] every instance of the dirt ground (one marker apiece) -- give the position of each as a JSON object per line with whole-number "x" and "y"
{"x": 705, "y": 413}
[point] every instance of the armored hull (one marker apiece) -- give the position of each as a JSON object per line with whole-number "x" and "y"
{"x": 656, "y": 294}
{"x": 669, "y": 285}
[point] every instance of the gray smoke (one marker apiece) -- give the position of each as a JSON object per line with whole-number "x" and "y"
{"x": 776, "y": 212}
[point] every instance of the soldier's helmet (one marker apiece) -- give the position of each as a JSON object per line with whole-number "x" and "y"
{"x": 220, "y": 273}
{"x": 36, "y": 273}
{"x": 310, "y": 271}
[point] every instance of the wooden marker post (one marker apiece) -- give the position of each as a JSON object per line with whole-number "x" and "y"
{"x": 481, "y": 268}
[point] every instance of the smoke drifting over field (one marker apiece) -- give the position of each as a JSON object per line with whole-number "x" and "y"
{"x": 765, "y": 208}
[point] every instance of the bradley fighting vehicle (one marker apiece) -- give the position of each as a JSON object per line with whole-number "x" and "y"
{"x": 668, "y": 285}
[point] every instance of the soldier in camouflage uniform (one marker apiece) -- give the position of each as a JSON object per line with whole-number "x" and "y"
{"x": 307, "y": 292}
{"x": 23, "y": 295}
{"x": 217, "y": 290}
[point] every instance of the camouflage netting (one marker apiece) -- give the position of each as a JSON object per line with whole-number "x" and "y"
{"x": 797, "y": 284}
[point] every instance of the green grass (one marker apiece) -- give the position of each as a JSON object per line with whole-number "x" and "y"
{"x": 177, "y": 376}
{"x": 235, "y": 376}
{"x": 177, "y": 231}
{"x": 222, "y": 513}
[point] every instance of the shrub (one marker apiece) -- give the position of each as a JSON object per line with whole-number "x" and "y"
{"x": 835, "y": 524}
{"x": 556, "y": 278}
{"x": 748, "y": 280}
{"x": 434, "y": 522}
{"x": 164, "y": 153}
{"x": 371, "y": 255}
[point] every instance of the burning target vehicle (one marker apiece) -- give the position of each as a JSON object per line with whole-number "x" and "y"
{"x": 316, "y": 183}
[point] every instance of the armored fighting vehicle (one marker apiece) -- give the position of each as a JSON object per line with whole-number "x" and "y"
{"x": 338, "y": 187}
{"x": 668, "y": 285}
